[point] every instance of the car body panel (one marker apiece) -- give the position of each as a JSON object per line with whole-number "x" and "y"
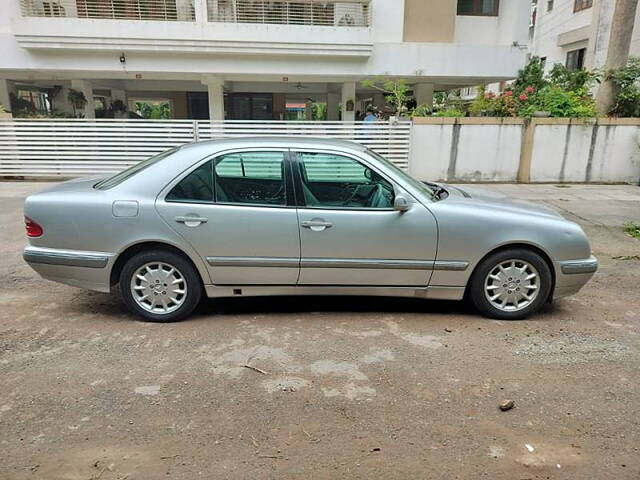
{"x": 264, "y": 250}
{"x": 368, "y": 247}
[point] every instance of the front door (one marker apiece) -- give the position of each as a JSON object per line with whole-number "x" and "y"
{"x": 349, "y": 232}
{"x": 236, "y": 213}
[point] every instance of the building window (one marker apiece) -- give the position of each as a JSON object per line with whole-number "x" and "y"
{"x": 575, "y": 59}
{"x": 549, "y": 5}
{"x": 582, "y": 5}
{"x": 482, "y": 8}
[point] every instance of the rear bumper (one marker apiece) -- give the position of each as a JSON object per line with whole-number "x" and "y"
{"x": 572, "y": 275}
{"x": 78, "y": 268}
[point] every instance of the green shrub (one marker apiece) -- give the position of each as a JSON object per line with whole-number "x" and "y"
{"x": 558, "y": 103}
{"x": 449, "y": 112}
{"x": 627, "y": 80}
{"x": 422, "y": 111}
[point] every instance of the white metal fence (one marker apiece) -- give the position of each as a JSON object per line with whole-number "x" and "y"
{"x": 77, "y": 147}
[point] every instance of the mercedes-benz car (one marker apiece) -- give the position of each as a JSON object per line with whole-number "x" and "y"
{"x": 298, "y": 216}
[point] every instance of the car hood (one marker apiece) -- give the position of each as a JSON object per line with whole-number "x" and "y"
{"x": 480, "y": 197}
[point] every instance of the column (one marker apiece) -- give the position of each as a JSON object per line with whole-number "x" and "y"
{"x": 348, "y": 101}
{"x": 61, "y": 103}
{"x": 215, "y": 88}
{"x": 6, "y": 88}
{"x": 86, "y": 88}
{"x": 423, "y": 93}
{"x": 333, "y": 106}
{"x": 200, "y": 9}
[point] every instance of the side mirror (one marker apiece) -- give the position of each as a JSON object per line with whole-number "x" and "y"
{"x": 401, "y": 204}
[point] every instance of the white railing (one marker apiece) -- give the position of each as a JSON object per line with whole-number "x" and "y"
{"x": 77, "y": 147}
{"x": 345, "y": 13}
{"x": 164, "y": 10}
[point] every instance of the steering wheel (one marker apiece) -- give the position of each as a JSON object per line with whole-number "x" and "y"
{"x": 353, "y": 195}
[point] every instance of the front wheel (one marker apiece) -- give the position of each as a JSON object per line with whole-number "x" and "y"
{"x": 511, "y": 284}
{"x": 160, "y": 286}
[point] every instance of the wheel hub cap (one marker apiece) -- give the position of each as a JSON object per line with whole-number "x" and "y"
{"x": 512, "y": 285}
{"x": 159, "y": 287}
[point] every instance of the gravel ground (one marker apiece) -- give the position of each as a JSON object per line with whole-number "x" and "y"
{"x": 342, "y": 387}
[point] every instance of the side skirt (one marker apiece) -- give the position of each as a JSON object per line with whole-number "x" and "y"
{"x": 439, "y": 293}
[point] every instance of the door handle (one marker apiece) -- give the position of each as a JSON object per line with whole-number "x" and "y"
{"x": 317, "y": 225}
{"x": 191, "y": 221}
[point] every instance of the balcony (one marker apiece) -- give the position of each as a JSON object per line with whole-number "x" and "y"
{"x": 161, "y": 10}
{"x": 344, "y": 13}
{"x": 226, "y": 27}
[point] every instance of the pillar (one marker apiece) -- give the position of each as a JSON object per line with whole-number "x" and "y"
{"x": 423, "y": 93}
{"x": 61, "y": 103}
{"x": 6, "y": 88}
{"x": 86, "y": 88}
{"x": 333, "y": 106}
{"x": 200, "y": 10}
{"x": 348, "y": 97}
{"x": 215, "y": 88}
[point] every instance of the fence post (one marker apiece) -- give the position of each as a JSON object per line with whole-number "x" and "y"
{"x": 196, "y": 131}
{"x": 526, "y": 150}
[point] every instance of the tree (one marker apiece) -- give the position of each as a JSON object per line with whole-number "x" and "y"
{"x": 622, "y": 25}
{"x": 395, "y": 90}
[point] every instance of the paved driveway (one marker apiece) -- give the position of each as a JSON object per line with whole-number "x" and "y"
{"x": 344, "y": 387}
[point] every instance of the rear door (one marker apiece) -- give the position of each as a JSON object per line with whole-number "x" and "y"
{"x": 237, "y": 212}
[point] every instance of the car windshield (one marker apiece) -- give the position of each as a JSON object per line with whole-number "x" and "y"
{"x": 429, "y": 189}
{"x": 120, "y": 177}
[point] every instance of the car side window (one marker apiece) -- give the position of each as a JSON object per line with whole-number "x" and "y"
{"x": 335, "y": 181}
{"x": 195, "y": 187}
{"x": 255, "y": 178}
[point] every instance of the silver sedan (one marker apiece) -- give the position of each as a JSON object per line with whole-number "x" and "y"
{"x": 298, "y": 216}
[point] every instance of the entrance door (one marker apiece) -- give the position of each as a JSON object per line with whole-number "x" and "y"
{"x": 237, "y": 213}
{"x": 350, "y": 233}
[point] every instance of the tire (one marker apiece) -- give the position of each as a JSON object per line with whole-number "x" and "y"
{"x": 508, "y": 273}
{"x": 172, "y": 287}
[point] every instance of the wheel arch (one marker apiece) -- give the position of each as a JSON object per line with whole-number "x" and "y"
{"x": 136, "y": 248}
{"x": 525, "y": 246}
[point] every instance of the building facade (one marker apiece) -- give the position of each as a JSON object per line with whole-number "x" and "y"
{"x": 576, "y": 33}
{"x": 256, "y": 60}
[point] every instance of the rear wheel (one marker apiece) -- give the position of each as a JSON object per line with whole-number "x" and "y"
{"x": 160, "y": 286}
{"x": 511, "y": 284}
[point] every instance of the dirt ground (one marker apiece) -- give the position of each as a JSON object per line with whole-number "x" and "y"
{"x": 350, "y": 387}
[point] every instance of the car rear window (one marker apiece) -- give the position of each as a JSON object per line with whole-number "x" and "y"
{"x": 118, "y": 178}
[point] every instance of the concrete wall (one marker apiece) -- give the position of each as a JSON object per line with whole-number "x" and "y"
{"x": 499, "y": 150}
{"x": 512, "y": 25}
{"x": 429, "y": 20}
{"x": 561, "y": 30}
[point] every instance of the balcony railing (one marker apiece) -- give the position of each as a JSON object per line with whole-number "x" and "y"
{"x": 336, "y": 13}
{"x": 345, "y": 13}
{"x": 164, "y": 10}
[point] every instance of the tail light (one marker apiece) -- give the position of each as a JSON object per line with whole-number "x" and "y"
{"x": 33, "y": 229}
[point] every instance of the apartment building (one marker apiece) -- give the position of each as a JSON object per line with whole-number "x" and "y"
{"x": 245, "y": 59}
{"x": 576, "y": 33}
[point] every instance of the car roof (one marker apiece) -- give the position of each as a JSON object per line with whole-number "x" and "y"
{"x": 277, "y": 141}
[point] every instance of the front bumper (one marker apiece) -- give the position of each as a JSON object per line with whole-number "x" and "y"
{"x": 79, "y": 268}
{"x": 572, "y": 275}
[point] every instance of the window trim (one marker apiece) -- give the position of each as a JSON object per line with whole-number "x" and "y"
{"x": 289, "y": 200}
{"x": 478, "y": 10}
{"x": 298, "y": 179}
